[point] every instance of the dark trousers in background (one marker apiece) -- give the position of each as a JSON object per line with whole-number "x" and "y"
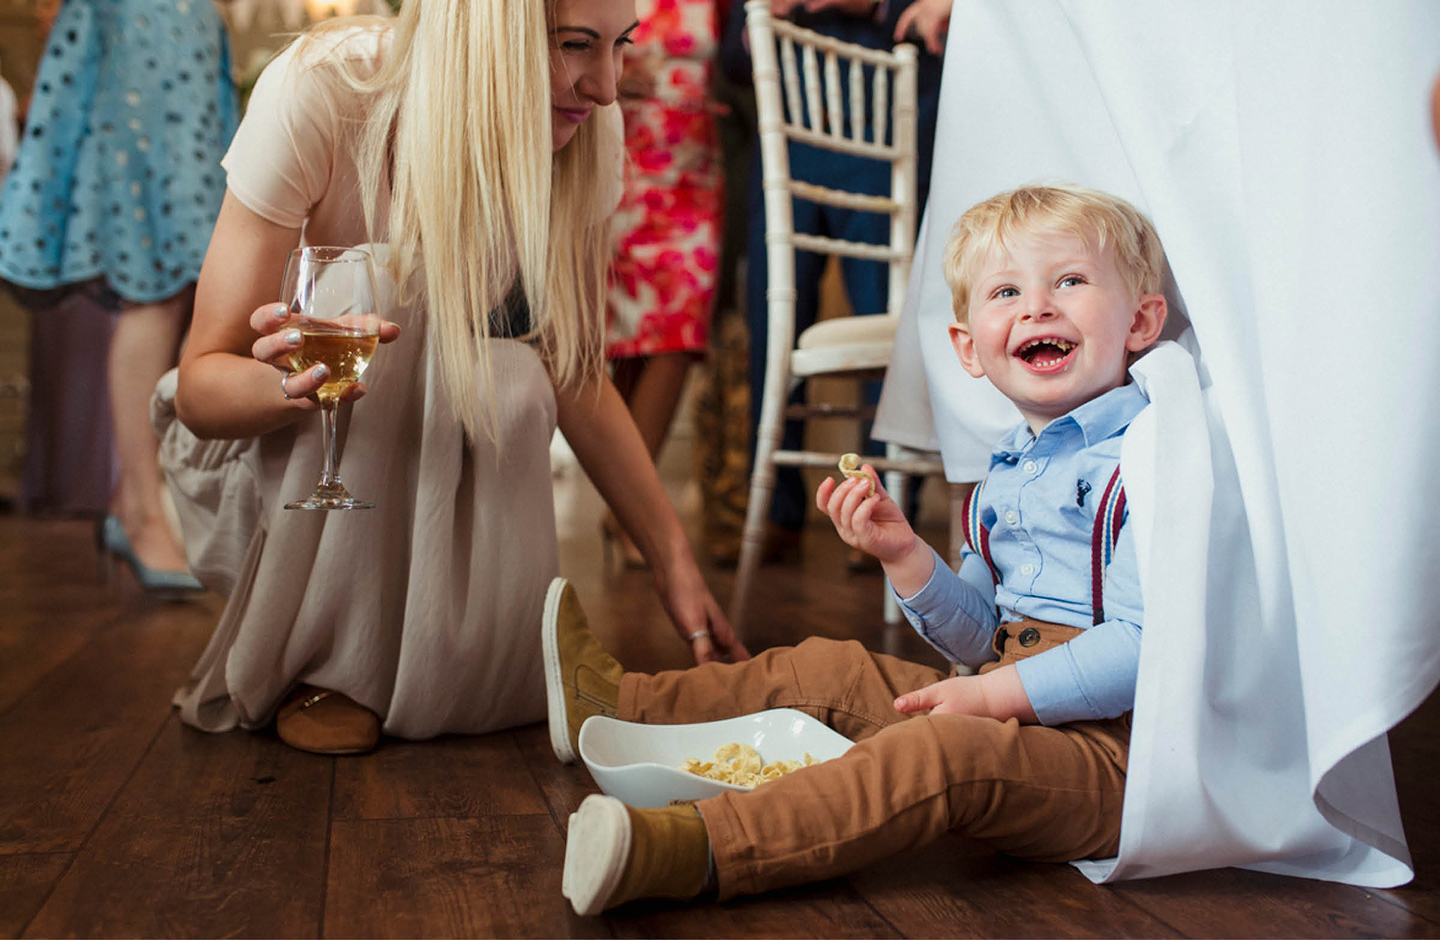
{"x": 866, "y": 284}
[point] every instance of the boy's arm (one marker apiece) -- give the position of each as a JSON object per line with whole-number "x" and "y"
{"x": 954, "y": 611}
{"x": 1093, "y": 676}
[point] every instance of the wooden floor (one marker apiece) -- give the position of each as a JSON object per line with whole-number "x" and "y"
{"x": 116, "y": 821}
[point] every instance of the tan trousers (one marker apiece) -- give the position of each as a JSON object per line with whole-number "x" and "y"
{"x": 1049, "y": 794}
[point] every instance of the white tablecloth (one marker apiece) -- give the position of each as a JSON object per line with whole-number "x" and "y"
{"x": 1283, "y": 496}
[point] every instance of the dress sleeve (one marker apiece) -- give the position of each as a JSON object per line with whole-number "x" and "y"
{"x": 281, "y": 158}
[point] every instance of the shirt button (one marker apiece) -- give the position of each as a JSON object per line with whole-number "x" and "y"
{"x": 1011, "y": 516}
{"x": 1029, "y": 636}
{"x": 1029, "y": 466}
{"x": 1027, "y": 569}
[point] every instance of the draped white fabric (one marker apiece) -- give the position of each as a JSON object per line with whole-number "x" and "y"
{"x": 1281, "y": 493}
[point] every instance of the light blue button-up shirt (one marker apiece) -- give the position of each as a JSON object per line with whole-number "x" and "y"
{"x": 1039, "y": 503}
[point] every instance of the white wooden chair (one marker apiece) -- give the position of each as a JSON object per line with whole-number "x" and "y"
{"x": 785, "y": 55}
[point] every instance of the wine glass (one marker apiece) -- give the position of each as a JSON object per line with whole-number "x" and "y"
{"x": 331, "y": 295}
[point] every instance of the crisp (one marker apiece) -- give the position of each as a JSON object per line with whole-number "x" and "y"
{"x": 850, "y": 466}
{"x": 742, "y": 765}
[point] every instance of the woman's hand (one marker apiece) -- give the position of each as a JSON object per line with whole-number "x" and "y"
{"x": 278, "y": 339}
{"x": 696, "y": 614}
{"x": 927, "y": 20}
{"x": 603, "y": 435}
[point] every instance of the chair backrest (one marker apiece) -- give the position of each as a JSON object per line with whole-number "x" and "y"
{"x": 803, "y": 80}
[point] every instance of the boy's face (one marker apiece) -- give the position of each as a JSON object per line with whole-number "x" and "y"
{"x": 1052, "y": 324}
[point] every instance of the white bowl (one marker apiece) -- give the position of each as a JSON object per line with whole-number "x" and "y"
{"x": 639, "y": 764}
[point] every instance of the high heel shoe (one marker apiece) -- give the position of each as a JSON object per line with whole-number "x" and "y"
{"x": 611, "y": 532}
{"x": 112, "y": 543}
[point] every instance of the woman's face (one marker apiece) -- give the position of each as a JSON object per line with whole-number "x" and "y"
{"x": 587, "y": 38}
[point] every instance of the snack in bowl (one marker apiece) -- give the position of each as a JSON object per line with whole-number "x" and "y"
{"x": 742, "y": 765}
{"x": 850, "y": 466}
{"x": 641, "y": 764}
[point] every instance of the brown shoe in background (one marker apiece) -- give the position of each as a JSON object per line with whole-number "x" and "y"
{"x": 323, "y": 721}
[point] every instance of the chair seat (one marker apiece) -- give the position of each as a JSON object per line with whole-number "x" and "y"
{"x": 845, "y": 344}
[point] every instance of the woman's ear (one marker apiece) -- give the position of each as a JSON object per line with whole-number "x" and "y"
{"x": 964, "y": 345}
{"x": 1148, "y": 322}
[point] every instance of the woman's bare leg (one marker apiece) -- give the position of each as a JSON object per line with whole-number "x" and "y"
{"x": 145, "y": 344}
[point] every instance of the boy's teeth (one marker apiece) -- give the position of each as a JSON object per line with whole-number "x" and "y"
{"x": 1063, "y": 345}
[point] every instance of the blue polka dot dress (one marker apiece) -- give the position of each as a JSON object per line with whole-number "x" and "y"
{"x": 118, "y": 174}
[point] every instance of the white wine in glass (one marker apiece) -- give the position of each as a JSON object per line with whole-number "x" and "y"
{"x": 331, "y": 296}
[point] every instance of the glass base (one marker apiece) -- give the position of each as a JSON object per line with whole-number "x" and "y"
{"x": 330, "y": 502}
{"x": 330, "y": 494}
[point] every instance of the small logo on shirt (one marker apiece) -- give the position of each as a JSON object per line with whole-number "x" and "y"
{"x": 1081, "y": 488}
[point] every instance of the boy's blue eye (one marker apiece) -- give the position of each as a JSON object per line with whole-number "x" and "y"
{"x": 1007, "y": 292}
{"x": 1070, "y": 280}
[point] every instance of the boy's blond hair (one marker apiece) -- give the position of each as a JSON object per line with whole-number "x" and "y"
{"x": 1059, "y": 208}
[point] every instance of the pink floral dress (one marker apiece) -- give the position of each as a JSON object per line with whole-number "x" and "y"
{"x": 667, "y": 229}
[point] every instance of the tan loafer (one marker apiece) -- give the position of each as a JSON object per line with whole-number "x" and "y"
{"x": 323, "y": 721}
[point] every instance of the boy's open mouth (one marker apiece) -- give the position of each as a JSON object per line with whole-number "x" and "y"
{"x": 1045, "y": 352}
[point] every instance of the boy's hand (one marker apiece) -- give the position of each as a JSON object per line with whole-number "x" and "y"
{"x": 958, "y": 695}
{"x": 998, "y": 694}
{"x": 871, "y": 523}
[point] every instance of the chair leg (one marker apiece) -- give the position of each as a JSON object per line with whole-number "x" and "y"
{"x": 762, "y": 485}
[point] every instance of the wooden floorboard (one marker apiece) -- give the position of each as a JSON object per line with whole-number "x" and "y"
{"x": 453, "y": 777}
{"x": 25, "y": 882}
{"x": 72, "y": 742}
{"x": 957, "y": 888}
{"x": 214, "y": 835}
{"x": 489, "y": 876}
{"x": 116, "y": 821}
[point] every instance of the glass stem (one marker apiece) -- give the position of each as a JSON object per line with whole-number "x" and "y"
{"x": 330, "y": 479}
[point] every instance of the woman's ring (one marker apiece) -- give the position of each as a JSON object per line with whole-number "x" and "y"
{"x": 698, "y": 635}
{"x": 283, "y": 390}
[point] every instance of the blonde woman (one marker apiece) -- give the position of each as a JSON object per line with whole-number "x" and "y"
{"x": 482, "y": 172}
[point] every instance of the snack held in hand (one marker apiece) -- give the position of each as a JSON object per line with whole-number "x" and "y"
{"x": 742, "y": 765}
{"x": 850, "y": 466}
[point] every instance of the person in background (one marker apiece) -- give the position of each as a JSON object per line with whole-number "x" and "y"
{"x": 115, "y": 190}
{"x": 865, "y": 23}
{"x": 668, "y": 227}
{"x": 472, "y": 145}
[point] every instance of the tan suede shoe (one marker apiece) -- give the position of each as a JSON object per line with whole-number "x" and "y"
{"x": 615, "y": 853}
{"x": 581, "y": 678}
{"x": 322, "y": 721}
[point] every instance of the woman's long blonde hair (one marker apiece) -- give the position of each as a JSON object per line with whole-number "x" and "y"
{"x": 455, "y": 163}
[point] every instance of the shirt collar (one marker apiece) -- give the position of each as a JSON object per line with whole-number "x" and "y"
{"x": 1097, "y": 419}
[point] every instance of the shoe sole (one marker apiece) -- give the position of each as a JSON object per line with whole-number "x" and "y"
{"x": 554, "y": 681}
{"x": 597, "y": 848}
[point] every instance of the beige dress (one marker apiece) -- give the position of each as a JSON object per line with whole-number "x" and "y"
{"x": 425, "y": 609}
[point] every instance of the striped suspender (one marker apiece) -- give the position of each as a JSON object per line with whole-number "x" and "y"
{"x": 976, "y": 534}
{"x": 1109, "y": 517}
